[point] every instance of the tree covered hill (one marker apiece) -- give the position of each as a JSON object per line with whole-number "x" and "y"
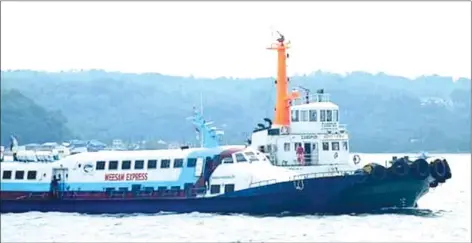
{"x": 29, "y": 122}
{"x": 384, "y": 113}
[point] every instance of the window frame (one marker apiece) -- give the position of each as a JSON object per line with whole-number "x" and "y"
{"x": 152, "y": 167}
{"x": 325, "y": 148}
{"x": 165, "y": 163}
{"x": 313, "y": 116}
{"x": 100, "y": 162}
{"x": 139, "y": 162}
{"x": 333, "y": 147}
{"x": 127, "y": 162}
{"x": 113, "y": 162}
{"x": 178, "y": 163}
{"x": 322, "y": 115}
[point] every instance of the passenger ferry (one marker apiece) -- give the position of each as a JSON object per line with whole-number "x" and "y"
{"x": 298, "y": 163}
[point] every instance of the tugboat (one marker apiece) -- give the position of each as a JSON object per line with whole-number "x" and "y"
{"x": 254, "y": 179}
{"x": 306, "y": 136}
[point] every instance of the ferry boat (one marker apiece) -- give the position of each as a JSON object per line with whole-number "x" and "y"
{"x": 255, "y": 179}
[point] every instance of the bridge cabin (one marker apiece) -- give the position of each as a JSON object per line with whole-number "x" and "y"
{"x": 315, "y": 126}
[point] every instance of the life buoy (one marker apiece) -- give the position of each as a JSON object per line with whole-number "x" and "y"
{"x": 420, "y": 169}
{"x": 399, "y": 168}
{"x": 438, "y": 170}
{"x": 356, "y": 159}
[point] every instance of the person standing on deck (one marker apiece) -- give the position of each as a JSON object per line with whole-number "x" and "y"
{"x": 54, "y": 186}
{"x": 300, "y": 154}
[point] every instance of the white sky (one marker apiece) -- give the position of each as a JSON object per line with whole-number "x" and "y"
{"x": 229, "y": 38}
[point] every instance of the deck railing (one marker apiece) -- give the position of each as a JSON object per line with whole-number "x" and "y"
{"x": 306, "y": 176}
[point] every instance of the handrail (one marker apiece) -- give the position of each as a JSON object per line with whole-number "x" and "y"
{"x": 310, "y": 159}
{"x": 323, "y": 174}
{"x": 261, "y": 183}
{"x": 306, "y": 176}
{"x": 312, "y": 98}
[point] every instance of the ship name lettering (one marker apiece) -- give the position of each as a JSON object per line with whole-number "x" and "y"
{"x": 126, "y": 176}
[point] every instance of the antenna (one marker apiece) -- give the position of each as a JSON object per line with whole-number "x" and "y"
{"x": 307, "y": 93}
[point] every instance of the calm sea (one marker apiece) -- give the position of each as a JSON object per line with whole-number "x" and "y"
{"x": 444, "y": 215}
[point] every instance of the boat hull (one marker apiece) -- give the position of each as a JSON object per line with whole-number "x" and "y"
{"x": 329, "y": 195}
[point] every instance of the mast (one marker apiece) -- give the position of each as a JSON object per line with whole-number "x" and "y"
{"x": 282, "y": 103}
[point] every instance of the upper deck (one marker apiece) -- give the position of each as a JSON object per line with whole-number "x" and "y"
{"x": 315, "y": 114}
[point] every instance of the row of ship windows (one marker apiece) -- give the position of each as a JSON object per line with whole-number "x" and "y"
{"x": 139, "y": 164}
{"x": 31, "y": 175}
{"x": 214, "y": 189}
{"x": 325, "y": 145}
{"x": 19, "y": 175}
{"x": 312, "y": 115}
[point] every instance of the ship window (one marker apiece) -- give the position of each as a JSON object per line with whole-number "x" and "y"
{"x": 191, "y": 162}
{"x": 286, "y": 147}
{"x": 252, "y": 157}
{"x": 304, "y": 116}
{"x": 100, "y": 165}
{"x": 19, "y": 175}
{"x": 215, "y": 189}
{"x": 228, "y": 160}
{"x": 123, "y": 189}
{"x": 329, "y": 115}
{"x": 335, "y": 146}
{"x": 335, "y": 115}
{"x": 161, "y": 188}
{"x": 240, "y": 157}
{"x": 31, "y": 175}
{"x": 313, "y": 114}
{"x": 229, "y": 188}
{"x": 6, "y": 174}
{"x": 295, "y": 115}
{"x": 345, "y": 146}
{"x": 165, "y": 163}
{"x": 152, "y": 164}
{"x": 109, "y": 189}
{"x": 135, "y": 187}
{"x": 178, "y": 163}
{"x": 322, "y": 115}
{"x": 297, "y": 145}
{"x": 175, "y": 188}
{"x": 125, "y": 165}
{"x": 325, "y": 146}
{"x": 139, "y": 164}
{"x": 149, "y": 189}
{"x": 113, "y": 165}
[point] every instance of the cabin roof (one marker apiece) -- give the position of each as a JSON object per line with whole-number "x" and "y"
{"x": 140, "y": 154}
{"x": 316, "y": 105}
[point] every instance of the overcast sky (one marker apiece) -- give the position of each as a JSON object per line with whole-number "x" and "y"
{"x": 229, "y": 38}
